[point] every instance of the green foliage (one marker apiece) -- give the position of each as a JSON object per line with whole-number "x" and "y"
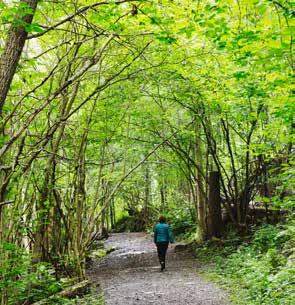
{"x": 21, "y": 281}
{"x": 98, "y": 253}
{"x": 260, "y": 269}
{"x": 165, "y": 37}
{"x": 167, "y": 64}
{"x": 182, "y": 221}
{"x": 265, "y": 238}
{"x": 14, "y": 14}
{"x": 33, "y": 27}
{"x": 126, "y": 223}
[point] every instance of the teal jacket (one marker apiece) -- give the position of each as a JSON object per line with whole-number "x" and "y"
{"x": 162, "y": 233}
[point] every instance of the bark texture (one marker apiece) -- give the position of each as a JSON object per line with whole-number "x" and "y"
{"x": 215, "y": 224}
{"x": 14, "y": 45}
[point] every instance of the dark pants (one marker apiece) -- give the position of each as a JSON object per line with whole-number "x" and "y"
{"x": 162, "y": 249}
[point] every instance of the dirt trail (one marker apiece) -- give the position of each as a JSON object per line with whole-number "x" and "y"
{"x": 130, "y": 275}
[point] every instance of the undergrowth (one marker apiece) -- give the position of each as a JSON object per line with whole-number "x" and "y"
{"x": 90, "y": 299}
{"x": 21, "y": 283}
{"x": 257, "y": 270}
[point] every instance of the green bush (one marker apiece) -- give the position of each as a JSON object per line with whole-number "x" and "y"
{"x": 20, "y": 281}
{"x": 23, "y": 283}
{"x": 260, "y": 270}
{"x": 265, "y": 238}
{"x": 182, "y": 221}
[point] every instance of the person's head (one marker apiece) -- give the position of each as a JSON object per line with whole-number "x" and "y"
{"x": 162, "y": 219}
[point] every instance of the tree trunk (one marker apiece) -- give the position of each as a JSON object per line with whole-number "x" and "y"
{"x": 14, "y": 45}
{"x": 70, "y": 292}
{"x": 112, "y": 214}
{"x": 215, "y": 225}
{"x": 163, "y": 198}
{"x": 200, "y": 191}
{"x": 147, "y": 188}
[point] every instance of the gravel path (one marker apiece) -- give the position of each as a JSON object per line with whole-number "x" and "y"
{"x": 131, "y": 275}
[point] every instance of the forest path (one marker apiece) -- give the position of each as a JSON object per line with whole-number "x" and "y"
{"x": 131, "y": 275}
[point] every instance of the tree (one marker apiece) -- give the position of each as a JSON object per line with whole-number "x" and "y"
{"x": 16, "y": 38}
{"x": 119, "y": 106}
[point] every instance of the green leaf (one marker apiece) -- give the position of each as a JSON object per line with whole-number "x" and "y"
{"x": 9, "y": 246}
{"x": 188, "y": 30}
{"x": 33, "y": 27}
{"x": 165, "y": 37}
{"x": 241, "y": 75}
{"x": 155, "y": 20}
{"x": 24, "y": 9}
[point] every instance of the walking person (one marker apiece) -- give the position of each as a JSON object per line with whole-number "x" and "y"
{"x": 162, "y": 237}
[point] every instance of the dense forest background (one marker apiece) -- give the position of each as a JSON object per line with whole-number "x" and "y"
{"x": 112, "y": 112}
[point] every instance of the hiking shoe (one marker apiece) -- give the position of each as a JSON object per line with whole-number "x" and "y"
{"x": 162, "y": 266}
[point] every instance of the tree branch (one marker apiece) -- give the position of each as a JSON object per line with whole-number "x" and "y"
{"x": 79, "y": 11}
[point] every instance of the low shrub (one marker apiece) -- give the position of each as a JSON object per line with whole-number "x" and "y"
{"x": 261, "y": 269}
{"x": 22, "y": 283}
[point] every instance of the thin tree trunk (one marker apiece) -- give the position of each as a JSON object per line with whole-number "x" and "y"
{"x": 147, "y": 188}
{"x": 201, "y": 200}
{"x": 41, "y": 247}
{"x": 112, "y": 214}
{"x": 163, "y": 198}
